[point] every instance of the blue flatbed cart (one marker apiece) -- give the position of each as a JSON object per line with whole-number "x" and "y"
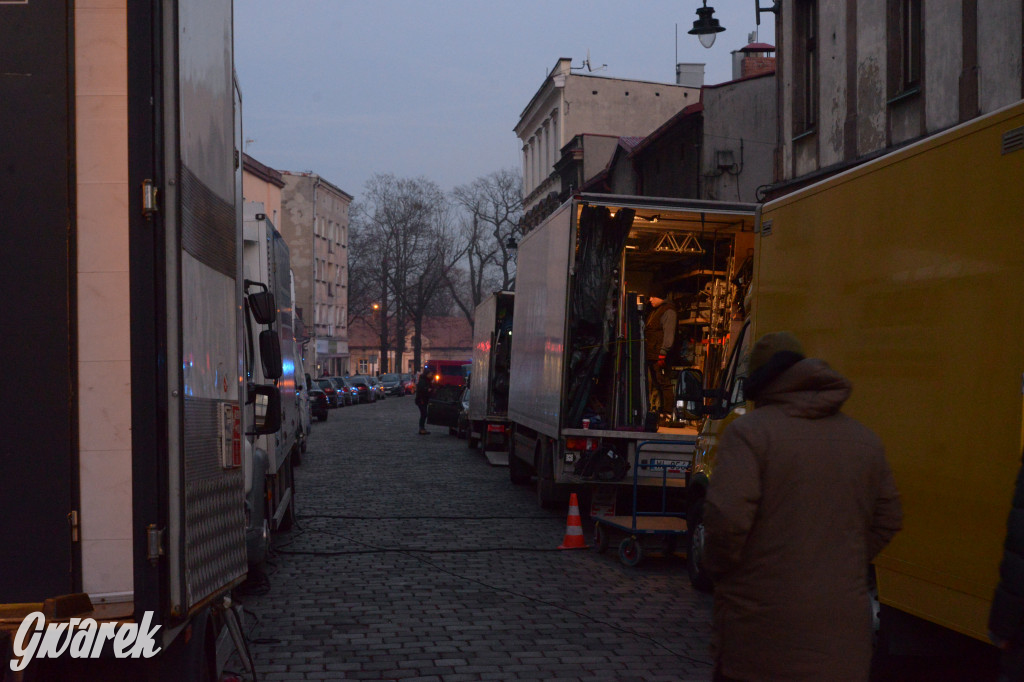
{"x": 663, "y": 524}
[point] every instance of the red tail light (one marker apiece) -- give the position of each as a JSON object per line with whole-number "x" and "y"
{"x": 496, "y": 428}
{"x": 576, "y": 443}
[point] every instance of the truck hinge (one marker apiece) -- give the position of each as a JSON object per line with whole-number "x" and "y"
{"x": 154, "y": 543}
{"x": 149, "y": 198}
{"x": 73, "y": 522}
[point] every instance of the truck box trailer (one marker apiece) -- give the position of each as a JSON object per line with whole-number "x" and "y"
{"x": 578, "y": 397}
{"x": 492, "y": 354}
{"x": 122, "y": 494}
{"x": 907, "y": 275}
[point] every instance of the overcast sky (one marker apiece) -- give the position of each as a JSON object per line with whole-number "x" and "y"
{"x": 349, "y": 88}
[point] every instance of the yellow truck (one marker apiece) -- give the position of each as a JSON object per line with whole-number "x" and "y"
{"x": 906, "y": 274}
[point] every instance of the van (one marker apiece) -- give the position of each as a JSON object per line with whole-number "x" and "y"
{"x": 447, "y": 372}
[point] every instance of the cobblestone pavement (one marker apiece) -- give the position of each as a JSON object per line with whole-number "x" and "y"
{"x": 414, "y": 559}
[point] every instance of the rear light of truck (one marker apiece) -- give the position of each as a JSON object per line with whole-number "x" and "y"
{"x": 496, "y": 428}
{"x": 577, "y": 443}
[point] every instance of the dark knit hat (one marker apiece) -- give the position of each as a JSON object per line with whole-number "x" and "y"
{"x": 772, "y": 355}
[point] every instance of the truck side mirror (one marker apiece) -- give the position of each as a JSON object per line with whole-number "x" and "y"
{"x": 690, "y": 394}
{"x": 263, "y": 307}
{"x": 268, "y": 409}
{"x": 270, "y": 354}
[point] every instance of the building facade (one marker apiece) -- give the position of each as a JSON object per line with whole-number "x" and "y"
{"x": 860, "y": 78}
{"x": 569, "y": 103}
{"x": 263, "y": 184}
{"x": 314, "y": 222}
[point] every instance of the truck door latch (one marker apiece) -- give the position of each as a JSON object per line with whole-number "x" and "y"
{"x": 154, "y": 543}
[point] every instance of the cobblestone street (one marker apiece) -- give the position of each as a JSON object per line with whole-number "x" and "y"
{"x": 415, "y": 559}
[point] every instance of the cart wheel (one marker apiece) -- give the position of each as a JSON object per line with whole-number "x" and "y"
{"x": 630, "y": 552}
{"x": 600, "y": 539}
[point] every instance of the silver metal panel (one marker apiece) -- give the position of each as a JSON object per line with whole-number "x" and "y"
{"x": 214, "y": 507}
{"x": 206, "y": 90}
{"x": 538, "y": 340}
{"x": 483, "y": 342}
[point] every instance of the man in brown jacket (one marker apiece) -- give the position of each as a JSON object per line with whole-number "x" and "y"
{"x": 801, "y": 500}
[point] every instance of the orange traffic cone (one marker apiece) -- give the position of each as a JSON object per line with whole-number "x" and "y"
{"x": 573, "y": 527}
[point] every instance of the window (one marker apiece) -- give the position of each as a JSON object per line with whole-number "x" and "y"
{"x": 905, "y": 53}
{"x": 805, "y": 60}
{"x": 364, "y": 366}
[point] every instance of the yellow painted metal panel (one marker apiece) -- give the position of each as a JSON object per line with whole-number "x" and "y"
{"x": 907, "y": 275}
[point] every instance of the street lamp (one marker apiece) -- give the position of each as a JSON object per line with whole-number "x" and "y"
{"x": 706, "y": 26}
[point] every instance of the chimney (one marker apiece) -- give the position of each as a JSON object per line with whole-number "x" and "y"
{"x": 690, "y": 75}
{"x": 756, "y": 60}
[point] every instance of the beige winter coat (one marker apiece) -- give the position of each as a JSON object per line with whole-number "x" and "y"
{"x": 800, "y": 501}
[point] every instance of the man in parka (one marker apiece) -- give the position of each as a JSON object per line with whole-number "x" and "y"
{"x": 659, "y": 335}
{"x": 800, "y": 501}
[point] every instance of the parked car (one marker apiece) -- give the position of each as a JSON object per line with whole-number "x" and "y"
{"x": 317, "y": 403}
{"x": 409, "y": 383}
{"x": 344, "y": 391}
{"x": 392, "y": 384}
{"x": 377, "y": 387}
{"x": 360, "y": 383}
{"x": 327, "y": 386}
{"x": 444, "y": 407}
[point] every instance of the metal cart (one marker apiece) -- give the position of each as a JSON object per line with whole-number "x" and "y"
{"x": 666, "y": 525}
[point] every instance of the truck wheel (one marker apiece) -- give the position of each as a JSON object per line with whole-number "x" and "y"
{"x": 546, "y": 489}
{"x": 695, "y": 547}
{"x": 297, "y": 454}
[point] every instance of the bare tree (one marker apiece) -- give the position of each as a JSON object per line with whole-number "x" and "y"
{"x": 493, "y": 207}
{"x": 402, "y": 231}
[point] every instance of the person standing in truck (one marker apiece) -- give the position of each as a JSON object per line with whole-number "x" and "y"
{"x": 801, "y": 501}
{"x": 659, "y": 335}
{"x": 423, "y": 386}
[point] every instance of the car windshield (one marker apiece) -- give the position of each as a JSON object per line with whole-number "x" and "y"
{"x": 452, "y": 370}
{"x": 324, "y": 383}
{"x": 389, "y": 377}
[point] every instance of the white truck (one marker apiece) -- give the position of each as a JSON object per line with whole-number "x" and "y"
{"x": 579, "y": 398}
{"x": 489, "y": 383}
{"x": 123, "y": 486}
{"x": 270, "y": 489}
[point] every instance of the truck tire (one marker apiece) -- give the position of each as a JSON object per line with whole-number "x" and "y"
{"x": 518, "y": 472}
{"x": 546, "y": 489}
{"x": 695, "y": 546}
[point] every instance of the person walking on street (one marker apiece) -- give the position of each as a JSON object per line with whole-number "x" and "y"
{"x": 800, "y": 502}
{"x": 1006, "y": 617}
{"x": 659, "y": 335}
{"x": 422, "y": 398}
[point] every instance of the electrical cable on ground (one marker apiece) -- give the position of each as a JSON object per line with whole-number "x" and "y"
{"x": 417, "y": 555}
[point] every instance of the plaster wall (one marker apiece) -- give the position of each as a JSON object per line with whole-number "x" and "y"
{"x": 103, "y": 306}
{"x": 871, "y": 66}
{"x": 999, "y": 53}
{"x": 735, "y": 113}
